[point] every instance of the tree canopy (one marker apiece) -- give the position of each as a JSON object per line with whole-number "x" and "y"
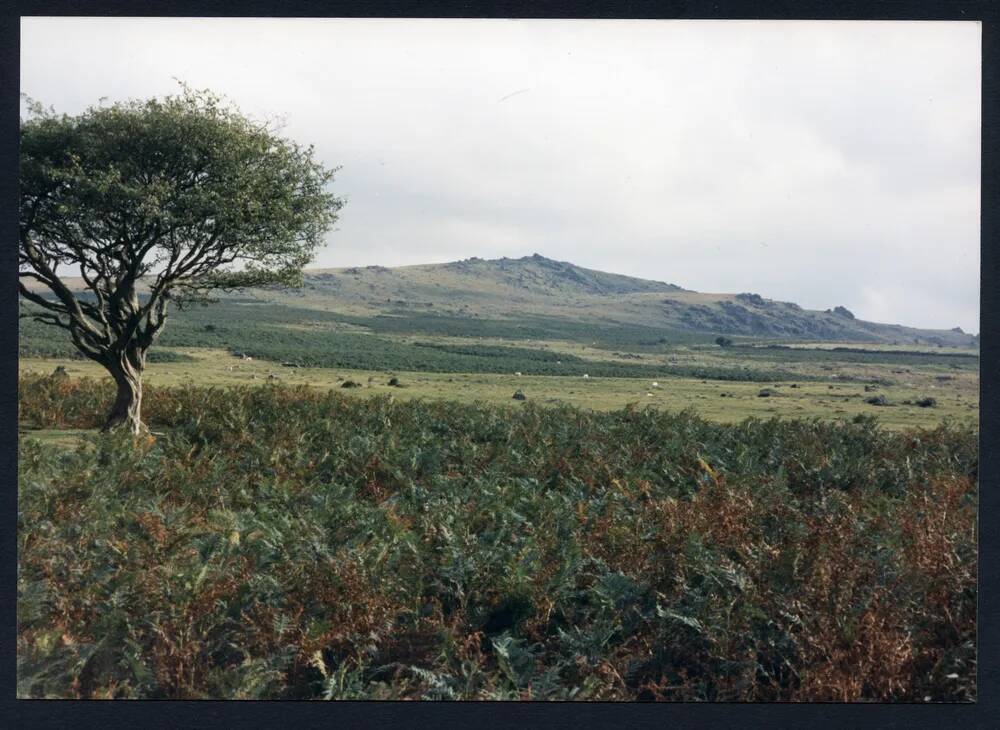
{"x": 155, "y": 201}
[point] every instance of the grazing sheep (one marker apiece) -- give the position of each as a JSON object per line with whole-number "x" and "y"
{"x": 585, "y": 376}
{"x": 518, "y": 374}
{"x": 655, "y": 384}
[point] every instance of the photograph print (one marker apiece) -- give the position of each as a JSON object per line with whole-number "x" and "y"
{"x": 482, "y": 359}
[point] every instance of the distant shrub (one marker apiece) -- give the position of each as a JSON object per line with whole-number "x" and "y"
{"x": 753, "y": 299}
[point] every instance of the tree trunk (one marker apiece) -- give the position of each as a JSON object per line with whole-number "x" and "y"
{"x": 126, "y": 411}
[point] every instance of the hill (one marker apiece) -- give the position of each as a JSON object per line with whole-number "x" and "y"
{"x": 531, "y": 287}
{"x": 535, "y": 297}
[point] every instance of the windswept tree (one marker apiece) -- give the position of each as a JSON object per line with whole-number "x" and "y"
{"x": 155, "y": 202}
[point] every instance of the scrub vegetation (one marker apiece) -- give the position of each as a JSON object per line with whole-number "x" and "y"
{"x": 290, "y": 542}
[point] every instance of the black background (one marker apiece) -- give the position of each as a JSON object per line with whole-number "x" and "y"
{"x": 579, "y": 716}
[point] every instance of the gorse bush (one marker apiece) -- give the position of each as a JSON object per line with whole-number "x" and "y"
{"x": 282, "y": 542}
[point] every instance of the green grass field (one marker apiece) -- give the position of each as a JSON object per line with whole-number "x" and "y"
{"x": 365, "y": 326}
{"x": 724, "y": 401}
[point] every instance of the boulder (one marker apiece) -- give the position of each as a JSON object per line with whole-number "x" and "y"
{"x": 754, "y": 299}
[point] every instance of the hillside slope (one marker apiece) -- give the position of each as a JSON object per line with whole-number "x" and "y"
{"x": 547, "y": 297}
{"x": 537, "y": 286}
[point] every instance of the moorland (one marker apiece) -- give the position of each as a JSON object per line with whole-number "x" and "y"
{"x": 694, "y": 497}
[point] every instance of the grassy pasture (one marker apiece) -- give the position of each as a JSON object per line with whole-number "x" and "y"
{"x": 446, "y": 356}
{"x": 957, "y": 399}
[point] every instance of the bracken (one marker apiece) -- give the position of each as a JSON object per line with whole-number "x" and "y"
{"x": 282, "y": 542}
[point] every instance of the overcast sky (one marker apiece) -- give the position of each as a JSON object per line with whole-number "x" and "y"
{"x": 825, "y": 163}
